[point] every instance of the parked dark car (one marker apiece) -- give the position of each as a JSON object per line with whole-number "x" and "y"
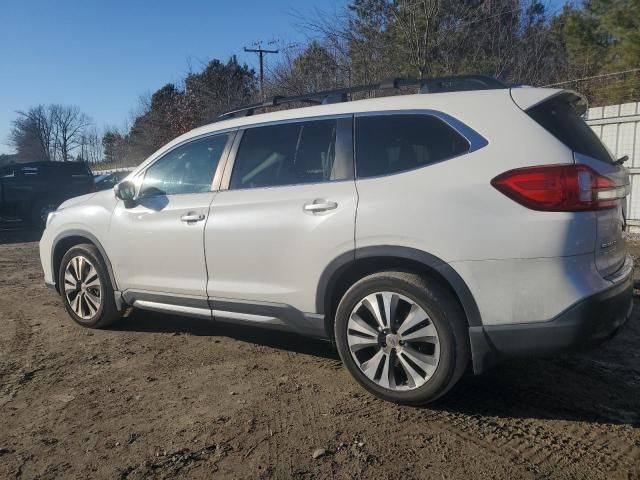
{"x": 110, "y": 180}
{"x": 31, "y": 190}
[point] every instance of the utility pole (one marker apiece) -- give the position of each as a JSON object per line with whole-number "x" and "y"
{"x": 261, "y": 52}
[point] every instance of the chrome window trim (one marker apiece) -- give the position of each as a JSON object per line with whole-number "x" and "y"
{"x": 172, "y": 308}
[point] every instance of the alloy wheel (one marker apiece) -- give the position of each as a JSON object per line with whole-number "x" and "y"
{"x": 393, "y": 341}
{"x": 82, "y": 287}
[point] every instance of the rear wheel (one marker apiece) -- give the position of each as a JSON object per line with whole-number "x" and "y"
{"x": 403, "y": 338}
{"x": 86, "y": 288}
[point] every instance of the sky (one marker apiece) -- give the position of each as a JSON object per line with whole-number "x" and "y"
{"x": 103, "y": 55}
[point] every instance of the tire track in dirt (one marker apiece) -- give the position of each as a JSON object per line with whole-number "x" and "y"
{"x": 536, "y": 444}
{"x": 297, "y": 416}
{"x": 17, "y": 345}
{"x": 530, "y": 444}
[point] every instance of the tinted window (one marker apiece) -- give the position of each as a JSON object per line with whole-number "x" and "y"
{"x": 76, "y": 169}
{"x": 185, "y": 169}
{"x": 7, "y": 172}
{"x": 286, "y": 154}
{"x": 559, "y": 117}
{"x": 388, "y": 144}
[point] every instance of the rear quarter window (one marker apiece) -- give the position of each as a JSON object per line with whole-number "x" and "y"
{"x": 388, "y": 144}
{"x": 561, "y": 119}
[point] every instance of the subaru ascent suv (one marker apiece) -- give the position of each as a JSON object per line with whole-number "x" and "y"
{"x": 420, "y": 233}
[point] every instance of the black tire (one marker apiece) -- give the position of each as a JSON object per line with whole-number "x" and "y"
{"x": 39, "y": 211}
{"x": 107, "y": 313}
{"x": 445, "y": 314}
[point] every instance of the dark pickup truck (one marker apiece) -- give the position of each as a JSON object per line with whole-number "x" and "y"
{"x": 30, "y": 191}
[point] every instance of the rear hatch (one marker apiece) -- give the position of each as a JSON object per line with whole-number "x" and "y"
{"x": 560, "y": 115}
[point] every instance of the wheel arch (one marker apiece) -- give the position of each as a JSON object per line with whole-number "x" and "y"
{"x": 70, "y": 238}
{"x": 349, "y": 267}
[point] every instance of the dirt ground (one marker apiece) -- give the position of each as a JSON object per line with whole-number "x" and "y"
{"x": 160, "y": 396}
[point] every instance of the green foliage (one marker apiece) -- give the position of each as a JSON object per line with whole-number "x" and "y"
{"x": 315, "y": 69}
{"x": 171, "y": 111}
{"x": 600, "y": 37}
{"x": 421, "y": 38}
{"x": 112, "y": 146}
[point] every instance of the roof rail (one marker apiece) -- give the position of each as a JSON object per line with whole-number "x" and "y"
{"x": 454, "y": 83}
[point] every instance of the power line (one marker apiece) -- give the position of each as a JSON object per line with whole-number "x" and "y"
{"x": 603, "y": 75}
{"x": 261, "y": 52}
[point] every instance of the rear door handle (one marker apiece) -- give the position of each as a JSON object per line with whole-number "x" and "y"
{"x": 192, "y": 217}
{"x": 318, "y": 206}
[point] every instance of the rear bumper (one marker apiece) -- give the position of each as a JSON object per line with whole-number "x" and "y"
{"x": 585, "y": 324}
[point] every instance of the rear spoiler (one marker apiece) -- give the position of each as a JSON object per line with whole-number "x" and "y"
{"x": 529, "y": 97}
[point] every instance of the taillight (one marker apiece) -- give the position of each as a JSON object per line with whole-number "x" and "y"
{"x": 559, "y": 188}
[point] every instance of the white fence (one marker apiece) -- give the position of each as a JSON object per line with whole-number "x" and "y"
{"x": 619, "y": 128}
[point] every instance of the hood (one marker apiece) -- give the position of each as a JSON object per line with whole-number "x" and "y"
{"x": 77, "y": 200}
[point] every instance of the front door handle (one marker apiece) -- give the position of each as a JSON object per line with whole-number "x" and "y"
{"x": 192, "y": 217}
{"x": 318, "y": 206}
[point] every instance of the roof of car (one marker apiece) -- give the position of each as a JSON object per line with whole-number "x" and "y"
{"x": 437, "y": 101}
{"x": 443, "y": 102}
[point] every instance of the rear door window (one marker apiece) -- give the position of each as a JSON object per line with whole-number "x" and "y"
{"x": 388, "y": 144}
{"x": 285, "y": 154}
{"x": 560, "y": 117}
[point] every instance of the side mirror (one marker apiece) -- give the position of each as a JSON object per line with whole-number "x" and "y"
{"x": 126, "y": 191}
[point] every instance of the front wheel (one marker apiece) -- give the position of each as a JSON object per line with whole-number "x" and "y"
{"x": 402, "y": 337}
{"x": 86, "y": 288}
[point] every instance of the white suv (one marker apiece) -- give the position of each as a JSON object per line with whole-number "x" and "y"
{"x": 470, "y": 222}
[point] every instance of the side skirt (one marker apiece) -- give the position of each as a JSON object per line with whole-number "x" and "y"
{"x": 275, "y": 316}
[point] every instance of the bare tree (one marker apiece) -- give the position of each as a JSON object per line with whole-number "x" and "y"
{"x": 69, "y": 126}
{"x": 50, "y": 132}
{"x": 90, "y": 146}
{"x": 316, "y": 67}
{"x": 31, "y": 134}
{"x": 416, "y": 22}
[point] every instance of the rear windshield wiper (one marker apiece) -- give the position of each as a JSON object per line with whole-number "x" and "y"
{"x": 621, "y": 160}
